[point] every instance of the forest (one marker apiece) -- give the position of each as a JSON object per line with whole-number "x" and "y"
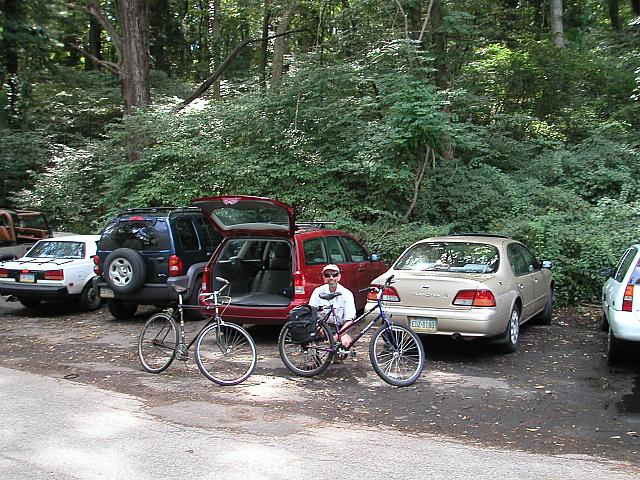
{"x": 397, "y": 119}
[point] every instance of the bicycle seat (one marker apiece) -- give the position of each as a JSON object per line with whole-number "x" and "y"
{"x": 330, "y": 295}
{"x": 178, "y": 288}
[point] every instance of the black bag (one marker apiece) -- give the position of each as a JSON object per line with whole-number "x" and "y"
{"x": 302, "y": 324}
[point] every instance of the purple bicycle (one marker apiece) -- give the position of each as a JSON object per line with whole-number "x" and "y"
{"x": 307, "y": 345}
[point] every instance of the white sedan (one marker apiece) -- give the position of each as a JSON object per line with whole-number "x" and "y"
{"x": 621, "y": 303}
{"x": 53, "y": 269}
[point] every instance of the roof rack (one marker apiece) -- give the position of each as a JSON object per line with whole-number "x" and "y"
{"x": 477, "y": 234}
{"x": 160, "y": 209}
{"x": 316, "y": 224}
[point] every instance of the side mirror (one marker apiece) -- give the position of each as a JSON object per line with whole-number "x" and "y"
{"x": 374, "y": 257}
{"x": 548, "y": 264}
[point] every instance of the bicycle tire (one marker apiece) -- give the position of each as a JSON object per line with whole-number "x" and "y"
{"x": 399, "y": 359}
{"x": 308, "y": 359}
{"x": 158, "y": 342}
{"x": 226, "y": 353}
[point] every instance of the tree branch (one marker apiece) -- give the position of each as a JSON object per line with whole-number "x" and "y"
{"x": 94, "y": 10}
{"x": 112, "y": 67}
{"x": 226, "y": 62}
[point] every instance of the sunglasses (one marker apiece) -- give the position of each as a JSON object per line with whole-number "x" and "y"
{"x": 330, "y": 275}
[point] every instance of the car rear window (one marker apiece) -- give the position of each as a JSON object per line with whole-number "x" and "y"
{"x": 464, "y": 257}
{"x": 50, "y": 249}
{"x": 141, "y": 235}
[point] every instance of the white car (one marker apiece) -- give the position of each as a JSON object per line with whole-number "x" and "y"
{"x": 53, "y": 269}
{"x": 621, "y": 303}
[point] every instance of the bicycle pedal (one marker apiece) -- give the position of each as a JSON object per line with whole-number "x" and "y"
{"x": 353, "y": 353}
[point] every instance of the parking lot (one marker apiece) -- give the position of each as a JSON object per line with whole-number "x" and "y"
{"x": 556, "y": 394}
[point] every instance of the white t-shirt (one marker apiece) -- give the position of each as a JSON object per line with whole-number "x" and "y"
{"x": 343, "y": 305}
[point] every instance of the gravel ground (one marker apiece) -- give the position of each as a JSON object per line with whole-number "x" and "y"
{"x": 555, "y": 394}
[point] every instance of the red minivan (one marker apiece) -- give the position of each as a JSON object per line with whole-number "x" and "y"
{"x": 272, "y": 263}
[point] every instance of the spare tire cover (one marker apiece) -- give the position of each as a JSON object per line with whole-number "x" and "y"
{"x": 125, "y": 270}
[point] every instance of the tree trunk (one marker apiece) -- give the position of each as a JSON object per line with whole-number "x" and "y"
{"x": 264, "y": 44}
{"x": 614, "y": 14}
{"x": 280, "y": 47}
{"x": 440, "y": 45}
{"x": 159, "y": 20}
{"x": 214, "y": 41}
{"x": 11, "y": 82}
{"x": 134, "y": 73}
{"x": 95, "y": 45}
{"x": 557, "y": 23}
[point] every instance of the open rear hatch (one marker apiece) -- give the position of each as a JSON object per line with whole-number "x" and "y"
{"x": 243, "y": 215}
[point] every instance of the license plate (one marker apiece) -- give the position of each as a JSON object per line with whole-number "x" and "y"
{"x": 27, "y": 278}
{"x": 106, "y": 293}
{"x": 424, "y": 325}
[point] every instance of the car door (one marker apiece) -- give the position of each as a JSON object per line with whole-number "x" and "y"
{"x": 524, "y": 279}
{"x": 362, "y": 274}
{"x": 540, "y": 287}
{"x": 338, "y": 256}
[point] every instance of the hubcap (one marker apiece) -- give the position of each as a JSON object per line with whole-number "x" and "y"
{"x": 120, "y": 272}
{"x": 514, "y": 327}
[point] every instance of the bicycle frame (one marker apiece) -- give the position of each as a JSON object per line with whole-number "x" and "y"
{"x": 344, "y": 329}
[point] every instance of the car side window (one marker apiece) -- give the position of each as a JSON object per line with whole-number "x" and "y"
{"x": 314, "y": 252}
{"x": 187, "y": 234}
{"x": 530, "y": 260}
{"x": 517, "y": 261}
{"x": 358, "y": 254}
{"x": 211, "y": 238}
{"x": 625, "y": 263}
{"x": 336, "y": 252}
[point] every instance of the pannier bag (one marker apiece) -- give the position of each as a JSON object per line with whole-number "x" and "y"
{"x": 302, "y": 323}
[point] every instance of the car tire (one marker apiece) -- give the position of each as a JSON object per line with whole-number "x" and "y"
{"x": 604, "y": 323}
{"x": 194, "y": 313}
{"x": 89, "y": 299}
{"x": 544, "y": 317}
{"x": 121, "y": 311}
{"x": 29, "y": 302}
{"x": 125, "y": 270}
{"x": 511, "y": 335}
{"x": 614, "y": 348}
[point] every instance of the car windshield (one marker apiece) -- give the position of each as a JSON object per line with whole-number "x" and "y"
{"x": 140, "y": 235}
{"x": 464, "y": 257}
{"x": 56, "y": 249}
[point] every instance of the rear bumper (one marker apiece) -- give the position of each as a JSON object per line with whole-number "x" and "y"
{"x": 260, "y": 315}
{"x": 474, "y": 322}
{"x": 149, "y": 294}
{"x": 35, "y": 291}
{"x": 625, "y": 325}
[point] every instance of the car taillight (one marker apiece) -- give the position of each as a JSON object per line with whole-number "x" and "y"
{"x": 175, "y": 266}
{"x": 54, "y": 275}
{"x": 373, "y": 294}
{"x": 206, "y": 275}
{"x": 4, "y": 273}
{"x": 298, "y": 283}
{"x": 97, "y": 269}
{"x": 627, "y": 300}
{"x": 475, "y": 298}
{"x": 390, "y": 294}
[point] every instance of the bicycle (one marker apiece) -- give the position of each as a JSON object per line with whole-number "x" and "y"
{"x": 224, "y": 352}
{"x": 396, "y": 352}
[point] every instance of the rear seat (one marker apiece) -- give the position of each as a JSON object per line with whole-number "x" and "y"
{"x": 278, "y": 276}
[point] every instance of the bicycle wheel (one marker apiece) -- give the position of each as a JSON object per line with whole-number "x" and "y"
{"x": 226, "y": 353}
{"x": 397, "y": 355}
{"x": 157, "y": 343}
{"x": 308, "y": 359}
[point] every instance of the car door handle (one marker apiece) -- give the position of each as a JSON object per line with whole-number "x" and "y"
{"x": 535, "y": 280}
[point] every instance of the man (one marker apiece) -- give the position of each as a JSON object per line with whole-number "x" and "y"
{"x": 343, "y": 305}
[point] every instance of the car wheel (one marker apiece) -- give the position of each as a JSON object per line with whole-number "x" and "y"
{"x": 544, "y": 318}
{"x": 89, "y": 299}
{"x": 121, "y": 311}
{"x": 125, "y": 270}
{"x": 613, "y": 348}
{"x": 29, "y": 302}
{"x": 604, "y": 323}
{"x": 194, "y": 313}
{"x": 512, "y": 334}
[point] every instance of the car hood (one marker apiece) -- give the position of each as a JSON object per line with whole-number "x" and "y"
{"x": 247, "y": 215}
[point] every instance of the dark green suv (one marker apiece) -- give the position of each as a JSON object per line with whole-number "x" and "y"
{"x": 142, "y": 251}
